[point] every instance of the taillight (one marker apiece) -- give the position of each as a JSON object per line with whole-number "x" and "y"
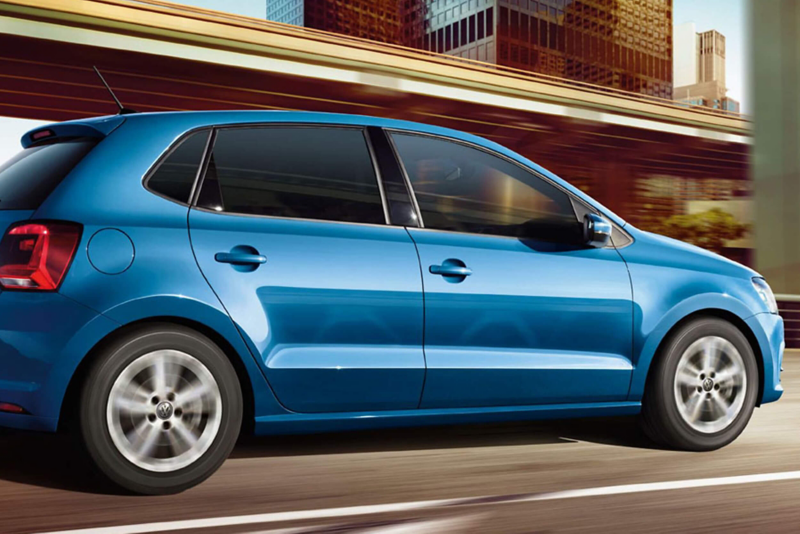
{"x": 11, "y": 408}
{"x": 36, "y": 256}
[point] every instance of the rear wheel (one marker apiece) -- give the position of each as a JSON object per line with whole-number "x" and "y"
{"x": 702, "y": 389}
{"x": 160, "y": 410}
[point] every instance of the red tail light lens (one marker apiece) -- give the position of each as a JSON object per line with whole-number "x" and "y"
{"x": 36, "y": 256}
{"x": 11, "y": 408}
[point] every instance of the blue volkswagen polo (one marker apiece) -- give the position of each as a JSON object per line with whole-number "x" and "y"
{"x": 169, "y": 279}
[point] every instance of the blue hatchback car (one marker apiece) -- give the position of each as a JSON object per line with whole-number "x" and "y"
{"x": 170, "y": 278}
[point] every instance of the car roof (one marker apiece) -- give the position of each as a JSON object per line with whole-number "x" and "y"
{"x": 199, "y": 119}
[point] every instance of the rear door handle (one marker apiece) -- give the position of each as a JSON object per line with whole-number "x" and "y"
{"x": 243, "y": 258}
{"x": 240, "y": 258}
{"x": 452, "y": 270}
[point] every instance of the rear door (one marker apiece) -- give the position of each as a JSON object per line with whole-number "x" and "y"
{"x": 290, "y": 231}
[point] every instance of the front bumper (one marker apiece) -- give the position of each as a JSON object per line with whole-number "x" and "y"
{"x": 43, "y": 339}
{"x": 768, "y": 329}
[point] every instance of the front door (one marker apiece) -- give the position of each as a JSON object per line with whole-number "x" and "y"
{"x": 517, "y": 310}
{"x": 290, "y": 232}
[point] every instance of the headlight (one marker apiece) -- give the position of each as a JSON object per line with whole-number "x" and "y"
{"x": 765, "y": 292}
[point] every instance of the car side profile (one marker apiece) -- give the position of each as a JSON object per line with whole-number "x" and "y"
{"x": 171, "y": 278}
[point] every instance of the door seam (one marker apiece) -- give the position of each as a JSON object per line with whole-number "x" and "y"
{"x": 424, "y": 312}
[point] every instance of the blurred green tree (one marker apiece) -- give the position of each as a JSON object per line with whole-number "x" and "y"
{"x": 710, "y": 229}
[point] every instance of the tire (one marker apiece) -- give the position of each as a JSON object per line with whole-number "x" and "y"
{"x": 143, "y": 393}
{"x": 698, "y": 404}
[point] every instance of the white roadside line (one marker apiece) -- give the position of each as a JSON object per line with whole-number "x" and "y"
{"x": 351, "y": 511}
{"x": 440, "y": 526}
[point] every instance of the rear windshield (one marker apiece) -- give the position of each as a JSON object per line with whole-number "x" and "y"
{"x": 30, "y": 176}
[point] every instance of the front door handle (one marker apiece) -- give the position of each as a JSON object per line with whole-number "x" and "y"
{"x": 452, "y": 270}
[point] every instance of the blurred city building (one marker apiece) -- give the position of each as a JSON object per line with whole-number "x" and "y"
{"x": 286, "y": 11}
{"x": 699, "y": 69}
{"x": 377, "y": 20}
{"x": 624, "y": 44}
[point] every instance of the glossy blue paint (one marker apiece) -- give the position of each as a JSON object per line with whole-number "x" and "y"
{"x": 520, "y": 330}
{"x": 346, "y": 325}
{"x": 43, "y": 338}
{"x": 768, "y": 331}
{"x": 301, "y": 423}
{"x": 335, "y": 313}
{"x": 672, "y": 280}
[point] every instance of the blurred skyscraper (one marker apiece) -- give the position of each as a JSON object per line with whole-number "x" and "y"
{"x": 699, "y": 69}
{"x": 286, "y": 11}
{"x": 624, "y": 44}
{"x": 377, "y": 20}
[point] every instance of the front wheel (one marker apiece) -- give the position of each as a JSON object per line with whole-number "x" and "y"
{"x": 702, "y": 389}
{"x": 160, "y": 410}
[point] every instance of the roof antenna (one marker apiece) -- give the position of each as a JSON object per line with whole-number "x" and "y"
{"x": 122, "y": 109}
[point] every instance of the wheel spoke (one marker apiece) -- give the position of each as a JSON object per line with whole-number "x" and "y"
{"x": 720, "y": 406}
{"x": 694, "y": 406}
{"x": 193, "y": 394}
{"x": 688, "y": 378}
{"x": 131, "y": 406}
{"x": 160, "y": 376}
{"x": 711, "y": 353}
{"x": 174, "y": 443}
{"x": 730, "y": 375}
{"x": 186, "y": 434}
{"x": 147, "y": 437}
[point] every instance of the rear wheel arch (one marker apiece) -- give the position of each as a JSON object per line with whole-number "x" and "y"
{"x": 69, "y": 405}
{"x": 724, "y": 315}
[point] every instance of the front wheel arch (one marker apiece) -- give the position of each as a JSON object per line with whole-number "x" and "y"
{"x": 727, "y": 316}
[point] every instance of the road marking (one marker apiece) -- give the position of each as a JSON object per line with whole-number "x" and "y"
{"x": 352, "y": 511}
{"x": 403, "y": 526}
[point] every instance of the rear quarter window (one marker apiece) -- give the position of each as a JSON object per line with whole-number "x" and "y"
{"x": 28, "y": 178}
{"x": 175, "y": 175}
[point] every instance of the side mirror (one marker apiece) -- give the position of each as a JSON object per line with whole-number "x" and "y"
{"x": 596, "y": 230}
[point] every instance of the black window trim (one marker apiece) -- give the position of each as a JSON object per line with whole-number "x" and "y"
{"x": 166, "y": 154}
{"x": 261, "y": 125}
{"x": 572, "y": 198}
{"x": 388, "y": 133}
{"x": 394, "y": 161}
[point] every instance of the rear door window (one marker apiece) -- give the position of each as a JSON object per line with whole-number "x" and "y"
{"x": 322, "y": 173}
{"x": 29, "y": 177}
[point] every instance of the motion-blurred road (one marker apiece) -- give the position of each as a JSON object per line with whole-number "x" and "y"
{"x": 515, "y": 469}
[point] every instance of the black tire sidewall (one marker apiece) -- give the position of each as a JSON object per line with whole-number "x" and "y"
{"x": 672, "y": 426}
{"x": 94, "y": 399}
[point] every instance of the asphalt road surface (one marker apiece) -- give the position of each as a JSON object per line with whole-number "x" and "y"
{"x": 490, "y": 478}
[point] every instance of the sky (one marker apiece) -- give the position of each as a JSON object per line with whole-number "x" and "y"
{"x": 11, "y": 131}
{"x": 249, "y": 8}
{"x": 729, "y": 17}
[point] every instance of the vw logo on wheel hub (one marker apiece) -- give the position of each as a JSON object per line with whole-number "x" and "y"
{"x": 164, "y": 410}
{"x": 708, "y": 384}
